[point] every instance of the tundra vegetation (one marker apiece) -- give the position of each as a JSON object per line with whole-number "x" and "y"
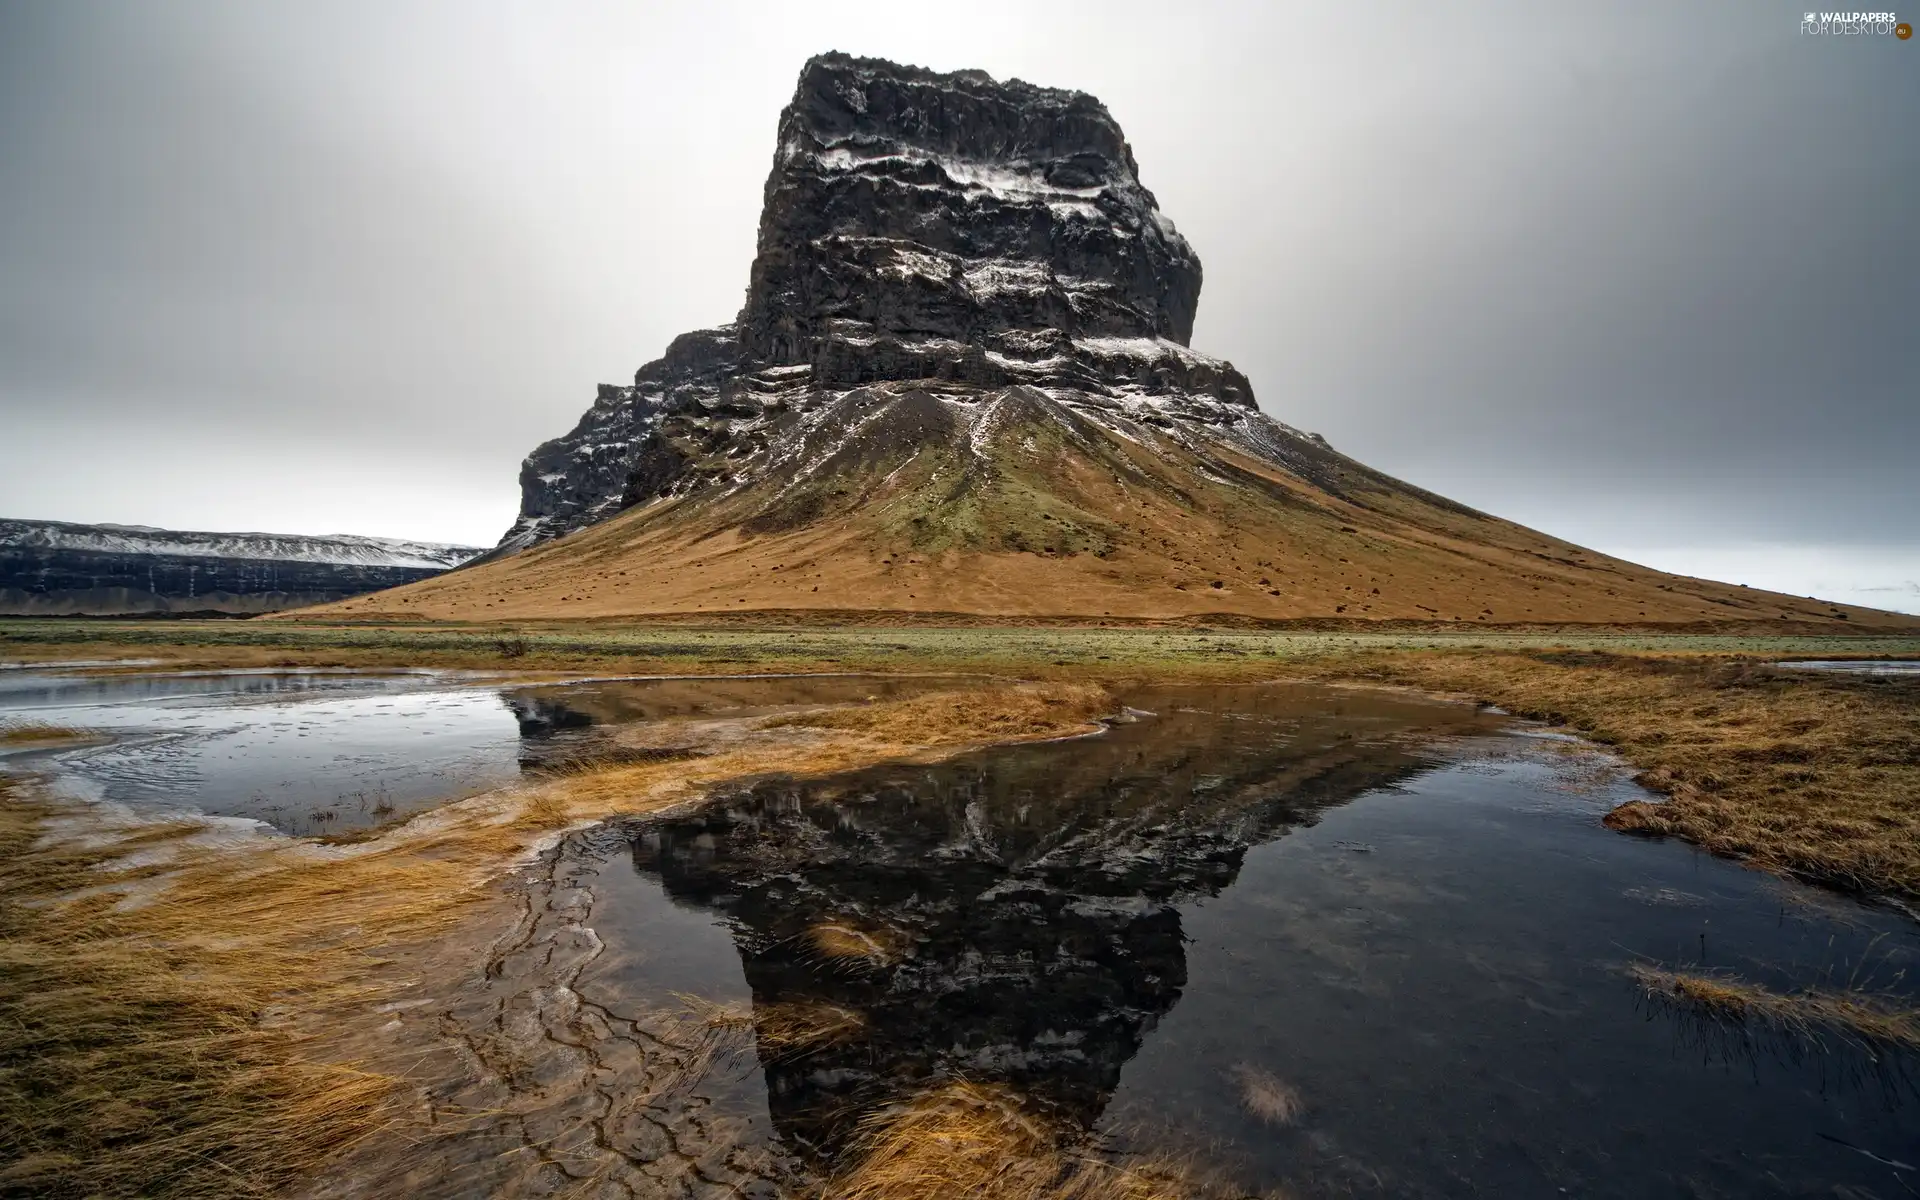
{"x": 173, "y": 1008}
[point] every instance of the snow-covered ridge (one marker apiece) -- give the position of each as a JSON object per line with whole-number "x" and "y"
{"x": 343, "y": 549}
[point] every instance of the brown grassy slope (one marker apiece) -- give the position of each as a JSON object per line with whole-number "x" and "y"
{"x": 1810, "y": 774}
{"x": 1053, "y": 516}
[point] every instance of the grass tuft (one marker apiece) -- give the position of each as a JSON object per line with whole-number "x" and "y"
{"x": 16, "y": 733}
{"x": 796, "y": 1028}
{"x": 968, "y": 1140}
{"x": 780, "y": 1031}
{"x": 1267, "y": 1097}
{"x": 137, "y": 1054}
{"x": 545, "y": 809}
{"x": 1008, "y": 711}
{"x": 1875, "y": 1023}
{"x": 847, "y": 944}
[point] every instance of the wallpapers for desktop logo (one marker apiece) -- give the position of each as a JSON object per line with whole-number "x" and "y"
{"x": 1854, "y": 24}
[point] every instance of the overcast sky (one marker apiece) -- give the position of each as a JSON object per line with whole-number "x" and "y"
{"x": 1643, "y": 276}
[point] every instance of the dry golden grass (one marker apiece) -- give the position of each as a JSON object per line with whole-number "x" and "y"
{"x": 1266, "y": 1097}
{"x": 1002, "y": 712}
{"x": 1875, "y": 1022}
{"x": 784, "y": 1030}
{"x": 544, "y": 810}
{"x": 454, "y": 648}
{"x": 794, "y": 1028}
{"x": 136, "y": 1057}
{"x": 25, "y": 732}
{"x": 842, "y": 942}
{"x": 967, "y": 1140}
{"x": 159, "y": 995}
{"x": 822, "y": 742}
{"x": 1811, "y": 774}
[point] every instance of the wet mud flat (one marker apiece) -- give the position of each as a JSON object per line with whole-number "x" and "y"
{"x": 1325, "y": 941}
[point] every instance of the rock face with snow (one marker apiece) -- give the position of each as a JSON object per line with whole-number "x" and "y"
{"x": 59, "y": 568}
{"x": 925, "y": 237}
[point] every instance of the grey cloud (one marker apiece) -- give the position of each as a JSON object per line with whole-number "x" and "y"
{"x": 1644, "y": 275}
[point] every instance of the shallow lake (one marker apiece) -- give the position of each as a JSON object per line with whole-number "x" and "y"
{"x": 1332, "y": 943}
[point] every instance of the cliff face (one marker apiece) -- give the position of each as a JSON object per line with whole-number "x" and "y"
{"x": 56, "y": 568}
{"x": 970, "y": 236}
{"x": 906, "y": 206}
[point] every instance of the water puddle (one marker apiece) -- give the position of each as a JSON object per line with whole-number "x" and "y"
{"x": 1335, "y": 943}
{"x": 1859, "y": 666}
{"x": 327, "y": 751}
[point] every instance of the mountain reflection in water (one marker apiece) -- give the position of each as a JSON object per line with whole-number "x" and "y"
{"x": 1010, "y": 917}
{"x": 1402, "y": 919}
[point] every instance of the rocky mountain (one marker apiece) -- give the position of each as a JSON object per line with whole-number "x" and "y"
{"x": 60, "y": 568}
{"x": 961, "y": 383}
{"x": 989, "y": 241}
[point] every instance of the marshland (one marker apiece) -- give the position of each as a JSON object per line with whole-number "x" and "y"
{"x": 554, "y": 644}
{"x": 1024, "y": 912}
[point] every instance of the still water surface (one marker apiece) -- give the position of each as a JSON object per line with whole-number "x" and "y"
{"x": 326, "y": 751}
{"x": 1422, "y": 943}
{"x": 1857, "y": 666}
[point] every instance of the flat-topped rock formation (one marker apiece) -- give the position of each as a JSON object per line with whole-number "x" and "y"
{"x": 961, "y": 385}
{"x": 971, "y": 235}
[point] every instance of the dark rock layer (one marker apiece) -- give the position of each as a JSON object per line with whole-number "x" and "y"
{"x": 906, "y": 204}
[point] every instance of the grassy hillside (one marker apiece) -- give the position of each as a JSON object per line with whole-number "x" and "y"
{"x": 1026, "y": 509}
